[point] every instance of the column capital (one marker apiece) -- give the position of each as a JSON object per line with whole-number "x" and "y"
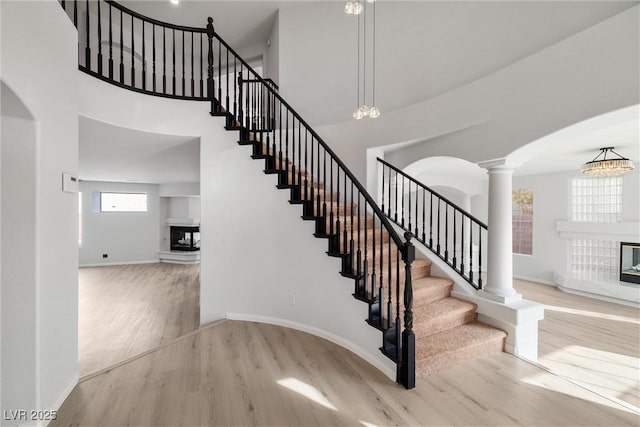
{"x": 498, "y": 164}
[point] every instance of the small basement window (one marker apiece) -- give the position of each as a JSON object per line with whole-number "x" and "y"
{"x": 123, "y": 202}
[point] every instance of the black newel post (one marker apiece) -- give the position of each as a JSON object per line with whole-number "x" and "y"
{"x": 210, "y": 84}
{"x": 407, "y": 370}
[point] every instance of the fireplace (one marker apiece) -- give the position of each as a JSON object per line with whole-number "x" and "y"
{"x": 630, "y": 262}
{"x": 185, "y": 238}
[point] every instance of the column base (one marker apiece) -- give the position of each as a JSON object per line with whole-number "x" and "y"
{"x": 504, "y": 299}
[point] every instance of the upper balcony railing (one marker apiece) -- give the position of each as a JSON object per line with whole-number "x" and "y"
{"x": 139, "y": 53}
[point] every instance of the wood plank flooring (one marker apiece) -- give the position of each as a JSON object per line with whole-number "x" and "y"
{"x": 241, "y": 373}
{"x": 594, "y": 343}
{"x": 125, "y": 310}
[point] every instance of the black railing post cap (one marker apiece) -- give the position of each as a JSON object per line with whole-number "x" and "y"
{"x": 210, "y": 20}
{"x": 408, "y": 236}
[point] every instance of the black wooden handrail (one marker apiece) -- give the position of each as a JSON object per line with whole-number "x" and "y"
{"x": 434, "y": 192}
{"x": 449, "y": 244}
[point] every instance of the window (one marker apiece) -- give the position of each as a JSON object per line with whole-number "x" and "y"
{"x": 596, "y": 199}
{"x": 597, "y": 259}
{"x": 522, "y": 221}
{"x": 123, "y": 202}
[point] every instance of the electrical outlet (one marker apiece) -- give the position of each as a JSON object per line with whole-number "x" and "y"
{"x": 292, "y": 299}
{"x": 105, "y": 255}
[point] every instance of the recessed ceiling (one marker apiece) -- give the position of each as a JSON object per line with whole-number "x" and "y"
{"x": 115, "y": 154}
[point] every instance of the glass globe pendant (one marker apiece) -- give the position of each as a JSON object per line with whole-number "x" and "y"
{"x": 374, "y": 112}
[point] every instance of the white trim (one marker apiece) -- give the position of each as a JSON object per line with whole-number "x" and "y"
{"x": 534, "y": 280}
{"x": 319, "y": 333}
{"x": 104, "y": 264}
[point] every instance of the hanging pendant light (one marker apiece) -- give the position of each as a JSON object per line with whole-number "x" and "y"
{"x": 364, "y": 110}
{"x": 603, "y": 167}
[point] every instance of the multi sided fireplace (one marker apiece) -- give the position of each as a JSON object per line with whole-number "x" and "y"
{"x": 630, "y": 262}
{"x": 185, "y": 238}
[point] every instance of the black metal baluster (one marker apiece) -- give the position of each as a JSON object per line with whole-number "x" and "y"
{"x": 99, "y": 40}
{"x": 454, "y": 238}
{"x": 293, "y": 149}
{"x": 389, "y": 284}
{"x": 306, "y": 165}
{"x": 395, "y": 215}
{"x": 331, "y": 218}
{"x": 286, "y": 147}
{"x": 153, "y": 83}
{"x": 219, "y": 103}
{"x": 87, "y": 49}
{"x": 324, "y": 180}
{"x": 409, "y": 206}
{"x": 201, "y": 81}
{"x": 430, "y": 219}
{"x": 381, "y": 276}
{"x": 471, "y": 251}
{"x": 133, "y": 62}
{"x": 63, "y": 3}
{"x": 193, "y": 83}
{"x": 389, "y": 193}
{"x": 462, "y": 250}
{"x": 280, "y": 159}
{"x": 164, "y": 60}
{"x": 438, "y": 229}
{"x": 365, "y": 264}
{"x": 351, "y": 243}
{"x": 424, "y": 197}
{"x": 382, "y": 198}
{"x": 173, "y": 50}
{"x": 446, "y": 232}
{"x": 373, "y": 260}
{"x": 210, "y": 87}
{"x": 299, "y": 152}
{"x": 479, "y": 257}
{"x": 183, "y": 60}
{"x": 338, "y": 237}
{"x": 235, "y": 91}
{"x": 144, "y": 58}
{"x": 110, "y": 45}
{"x": 359, "y": 251}
{"x": 227, "y": 75}
{"x": 121, "y": 51}
{"x": 416, "y": 216}
{"x": 397, "y": 323}
{"x": 402, "y": 222}
{"x": 75, "y": 13}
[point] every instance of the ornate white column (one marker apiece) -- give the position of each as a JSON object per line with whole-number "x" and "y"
{"x": 499, "y": 282}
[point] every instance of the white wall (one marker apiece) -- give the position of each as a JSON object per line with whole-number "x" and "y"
{"x": 127, "y": 237}
{"x": 18, "y": 142}
{"x": 179, "y": 189}
{"x": 38, "y": 36}
{"x": 256, "y": 251}
{"x": 551, "y": 204}
{"x": 272, "y": 66}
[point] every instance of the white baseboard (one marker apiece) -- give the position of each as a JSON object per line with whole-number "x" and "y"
{"x": 389, "y": 372}
{"x": 534, "y": 280}
{"x": 105, "y": 264}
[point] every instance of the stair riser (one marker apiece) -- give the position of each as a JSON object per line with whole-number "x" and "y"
{"x": 439, "y": 362}
{"x": 427, "y": 295}
{"x": 442, "y": 323}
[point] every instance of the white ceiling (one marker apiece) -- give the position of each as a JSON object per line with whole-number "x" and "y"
{"x": 112, "y": 153}
{"x": 240, "y": 23}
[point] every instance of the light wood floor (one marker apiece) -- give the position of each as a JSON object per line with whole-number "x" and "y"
{"x": 125, "y": 310}
{"x": 240, "y": 373}
{"x": 594, "y": 343}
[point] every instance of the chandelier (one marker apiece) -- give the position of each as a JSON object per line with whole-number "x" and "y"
{"x": 601, "y": 166}
{"x": 357, "y": 7}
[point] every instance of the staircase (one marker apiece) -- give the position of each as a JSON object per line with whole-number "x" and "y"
{"x": 423, "y": 329}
